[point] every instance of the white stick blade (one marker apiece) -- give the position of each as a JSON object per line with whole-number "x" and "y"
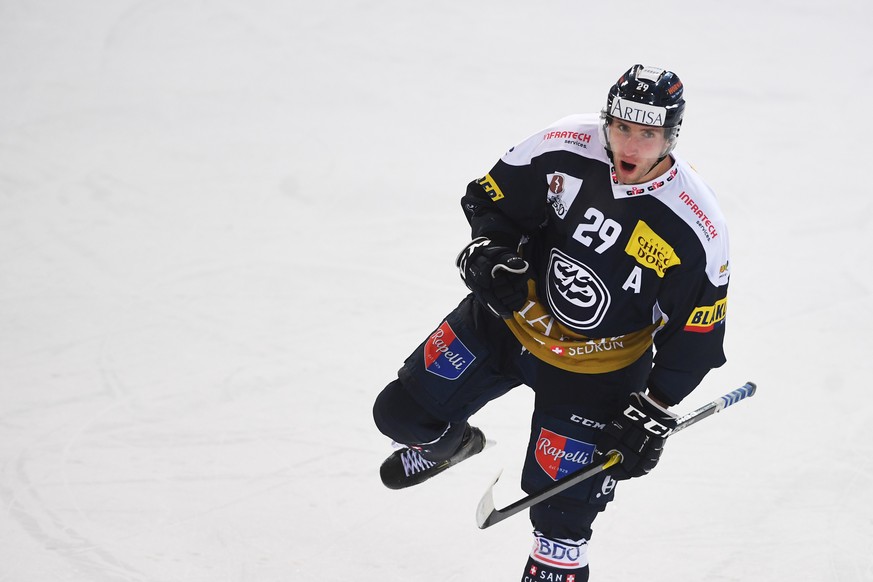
{"x": 486, "y": 504}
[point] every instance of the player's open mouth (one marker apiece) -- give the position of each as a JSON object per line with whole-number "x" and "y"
{"x": 627, "y": 167}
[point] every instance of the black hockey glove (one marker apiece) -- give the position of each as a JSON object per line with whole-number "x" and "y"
{"x": 638, "y": 433}
{"x": 496, "y": 275}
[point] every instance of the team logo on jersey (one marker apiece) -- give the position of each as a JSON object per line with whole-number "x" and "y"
{"x": 445, "y": 355}
{"x": 563, "y": 190}
{"x": 650, "y": 250}
{"x": 491, "y": 188}
{"x": 556, "y": 184}
{"x": 576, "y": 295}
{"x": 705, "y": 319}
{"x": 559, "y": 455}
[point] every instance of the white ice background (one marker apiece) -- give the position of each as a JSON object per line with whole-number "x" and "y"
{"x": 225, "y": 223}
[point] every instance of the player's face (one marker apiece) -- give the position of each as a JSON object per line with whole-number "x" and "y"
{"x": 635, "y": 148}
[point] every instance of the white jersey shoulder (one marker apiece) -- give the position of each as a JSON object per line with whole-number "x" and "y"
{"x": 692, "y": 200}
{"x": 575, "y": 133}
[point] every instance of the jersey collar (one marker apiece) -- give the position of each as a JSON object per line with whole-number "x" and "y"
{"x": 620, "y": 191}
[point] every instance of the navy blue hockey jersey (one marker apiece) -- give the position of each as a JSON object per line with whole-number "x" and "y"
{"x": 618, "y": 267}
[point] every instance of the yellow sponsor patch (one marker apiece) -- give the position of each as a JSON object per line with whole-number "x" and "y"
{"x": 650, "y": 250}
{"x": 491, "y": 187}
{"x": 704, "y": 319}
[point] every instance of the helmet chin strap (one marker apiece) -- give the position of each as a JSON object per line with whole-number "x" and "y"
{"x": 655, "y": 165}
{"x": 669, "y": 149}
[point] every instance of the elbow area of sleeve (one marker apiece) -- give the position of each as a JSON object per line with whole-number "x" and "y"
{"x": 672, "y": 386}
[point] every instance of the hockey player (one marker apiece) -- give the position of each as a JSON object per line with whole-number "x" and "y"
{"x": 598, "y": 273}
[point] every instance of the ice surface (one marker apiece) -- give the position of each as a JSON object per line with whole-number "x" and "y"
{"x": 223, "y": 225}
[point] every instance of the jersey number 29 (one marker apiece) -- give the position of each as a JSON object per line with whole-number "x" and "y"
{"x": 606, "y": 228}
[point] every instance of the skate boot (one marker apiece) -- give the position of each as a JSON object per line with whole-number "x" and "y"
{"x": 407, "y": 467}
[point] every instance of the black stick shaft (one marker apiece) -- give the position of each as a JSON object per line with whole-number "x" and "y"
{"x": 487, "y": 515}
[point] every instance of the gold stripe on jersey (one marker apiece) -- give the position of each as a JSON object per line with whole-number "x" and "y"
{"x": 552, "y": 342}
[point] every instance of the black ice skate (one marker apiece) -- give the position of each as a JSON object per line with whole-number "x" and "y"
{"x": 406, "y": 467}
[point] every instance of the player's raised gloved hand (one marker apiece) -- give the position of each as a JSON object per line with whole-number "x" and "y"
{"x": 495, "y": 274}
{"x": 638, "y": 433}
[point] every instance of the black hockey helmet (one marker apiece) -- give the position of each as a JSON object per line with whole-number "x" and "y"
{"x": 647, "y": 96}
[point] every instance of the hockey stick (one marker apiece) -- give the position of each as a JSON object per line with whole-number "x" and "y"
{"x": 487, "y": 515}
